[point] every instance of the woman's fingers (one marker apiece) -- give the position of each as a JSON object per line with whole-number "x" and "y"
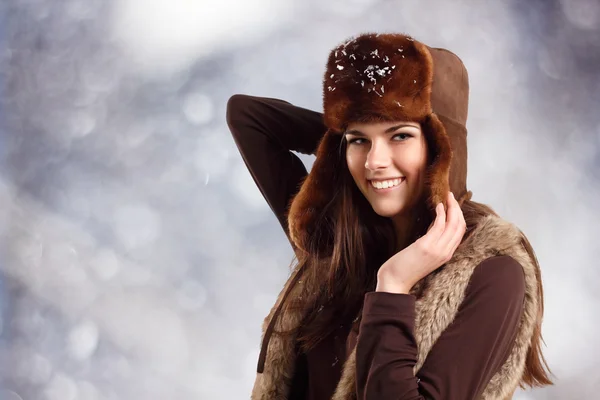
{"x": 452, "y": 220}
{"x": 439, "y": 224}
{"x": 454, "y": 231}
{"x": 428, "y": 243}
{"x": 459, "y": 235}
{"x": 446, "y": 231}
{"x": 460, "y": 232}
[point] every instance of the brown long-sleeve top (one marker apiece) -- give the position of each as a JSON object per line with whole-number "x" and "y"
{"x": 468, "y": 352}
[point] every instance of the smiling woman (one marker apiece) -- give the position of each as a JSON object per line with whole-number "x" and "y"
{"x": 386, "y": 161}
{"x": 400, "y": 277}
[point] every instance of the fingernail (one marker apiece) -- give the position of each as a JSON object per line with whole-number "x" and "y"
{"x": 452, "y": 195}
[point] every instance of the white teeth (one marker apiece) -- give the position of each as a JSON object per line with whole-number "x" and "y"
{"x": 386, "y": 184}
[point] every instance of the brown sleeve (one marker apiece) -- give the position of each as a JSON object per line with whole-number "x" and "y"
{"x": 265, "y": 130}
{"x": 466, "y": 355}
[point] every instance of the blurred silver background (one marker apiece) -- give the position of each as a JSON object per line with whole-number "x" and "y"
{"x": 138, "y": 258}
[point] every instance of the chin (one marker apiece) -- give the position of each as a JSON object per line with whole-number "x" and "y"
{"x": 386, "y": 210}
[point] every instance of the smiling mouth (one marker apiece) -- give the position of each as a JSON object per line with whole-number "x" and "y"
{"x": 382, "y": 186}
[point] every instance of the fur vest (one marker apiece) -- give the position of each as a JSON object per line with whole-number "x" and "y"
{"x": 436, "y": 308}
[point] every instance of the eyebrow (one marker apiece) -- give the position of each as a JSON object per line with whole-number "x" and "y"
{"x": 394, "y": 128}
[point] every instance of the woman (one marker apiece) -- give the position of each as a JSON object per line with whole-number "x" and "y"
{"x": 404, "y": 287}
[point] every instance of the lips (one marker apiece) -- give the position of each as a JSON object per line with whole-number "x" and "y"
{"x": 385, "y": 179}
{"x": 387, "y": 185}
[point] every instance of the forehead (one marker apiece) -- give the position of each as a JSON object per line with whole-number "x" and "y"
{"x": 380, "y": 126}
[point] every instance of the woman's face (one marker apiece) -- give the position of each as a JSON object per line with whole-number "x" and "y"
{"x": 387, "y": 161}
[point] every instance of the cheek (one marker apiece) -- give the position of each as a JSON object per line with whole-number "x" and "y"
{"x": 413, "y": 162}
{"x": 418, "y": 164}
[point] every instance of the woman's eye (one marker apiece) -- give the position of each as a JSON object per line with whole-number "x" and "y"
{"x": 354, "y": 141}
{"x": 403, "y": 136}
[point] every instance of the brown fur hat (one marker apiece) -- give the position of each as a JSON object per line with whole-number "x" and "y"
{"x": 388, "y": 77}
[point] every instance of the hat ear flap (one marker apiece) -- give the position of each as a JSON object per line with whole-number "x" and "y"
{"x": 440, "y": 151}
{"x": 309, "y": 206}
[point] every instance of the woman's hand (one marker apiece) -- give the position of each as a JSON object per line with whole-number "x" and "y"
{"x": 404, "y": 269}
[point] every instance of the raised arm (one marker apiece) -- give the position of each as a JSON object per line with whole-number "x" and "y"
{"x": 265, "y": 130}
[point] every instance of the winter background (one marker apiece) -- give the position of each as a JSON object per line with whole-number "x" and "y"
{"x": 138, "y": 258}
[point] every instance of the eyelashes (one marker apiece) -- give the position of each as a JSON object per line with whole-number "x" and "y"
{"x": 404, "y": 136}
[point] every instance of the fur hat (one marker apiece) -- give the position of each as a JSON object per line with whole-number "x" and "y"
{"x": 388, "y": 77}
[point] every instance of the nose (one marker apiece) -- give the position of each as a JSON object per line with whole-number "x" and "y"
{"x": 379, "y": 156}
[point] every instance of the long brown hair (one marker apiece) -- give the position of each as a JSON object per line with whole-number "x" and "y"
{"x": 536, "y": 372}
{"x": 343, "y": 262}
